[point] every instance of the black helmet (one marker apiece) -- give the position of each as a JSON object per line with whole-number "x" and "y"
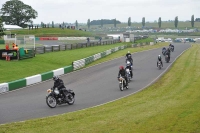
{"x": 55, "y": 78}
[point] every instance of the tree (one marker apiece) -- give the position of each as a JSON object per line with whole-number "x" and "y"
{"x": 129, "y": 21}
{"x": 1, "y": 28}
{"x": 42, "y": 25}
{"x": 105, "y": 21}
{"x": 143, "y": 21}
{"x": 76, "y": 24}
{"x": 192, "y": 20}
{"x": 101, "y": 23}
{"x": 52, "y": 24}
{"x": 176, "y": 22}
{"x": 159, "y": 22}
{"x": 88, "y": 23}
{"x": 15, "y": 12}
{"x": 115, "y": 23}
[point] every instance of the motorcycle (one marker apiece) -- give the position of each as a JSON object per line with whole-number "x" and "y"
{"x": 167, "y": 58}
{"x": 159, "y": 65}
{"x": 55, "y": 97}
{"x": 122, "y": 83}
{"x": 128, "y": 74}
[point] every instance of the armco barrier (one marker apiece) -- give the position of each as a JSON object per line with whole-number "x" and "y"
{"x": 88, "y": 60}
{"x": 103, "y": 54}
{"x": 81, "y": 63}
{"x": 59, "y": 71}
{"x": 13, "y": 85}
{"x": 33, "y": 79}
{"x": 108, "y": 52}
{"x": 3, "y": 87}
{"x": 16, "y": 84}
{"x": 78, "y": 64}
{"x": 97, "y": 56}
{"x": 68, "y": 69}
{"x": 47, "y": 75}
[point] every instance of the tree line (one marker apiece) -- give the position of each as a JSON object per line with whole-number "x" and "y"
{"x": 15, "y": 12}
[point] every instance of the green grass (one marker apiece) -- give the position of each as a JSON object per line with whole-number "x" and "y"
{"x": 145, "y": 40}
{"x": 52, "y": 32}
{"x": 171, "y": 105}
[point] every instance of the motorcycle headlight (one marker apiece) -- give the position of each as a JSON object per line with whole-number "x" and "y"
{"x": 56, "y": 91}
{"x": 49, "y": 91}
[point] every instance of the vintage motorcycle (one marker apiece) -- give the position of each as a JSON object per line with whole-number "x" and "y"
{"x": 167, "y": 58}
{"x": 56, "y": 97}
{"x": 128, "y": 74}
{"x": 159, "y": 65}
{"x": 122, "y": 83}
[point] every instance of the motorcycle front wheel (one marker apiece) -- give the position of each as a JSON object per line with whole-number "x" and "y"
{"x": 121, "y": 87}
{"x": 51, "y": 101}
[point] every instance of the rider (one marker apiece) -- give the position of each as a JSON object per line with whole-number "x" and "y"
{"x": 58, "y": 83}
{"x": 128, "y": 66}
{"x": 129, "y": 57}
{"x": 159, "y": 59}
{"x": 171, "y": 45}
{"x": 122, "y": 72}
{"x": 168, "y": 53}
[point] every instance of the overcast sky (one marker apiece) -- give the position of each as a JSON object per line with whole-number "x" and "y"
{"x": 81, "y": 10}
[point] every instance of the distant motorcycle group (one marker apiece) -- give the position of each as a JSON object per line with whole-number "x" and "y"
{"x": 125, "y": 74}
{"x": 166, "y": 52}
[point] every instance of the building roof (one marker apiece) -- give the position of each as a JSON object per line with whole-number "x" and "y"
{"x": 11, "y": 27}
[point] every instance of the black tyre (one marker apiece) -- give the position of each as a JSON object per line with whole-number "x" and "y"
{"x": 71, "y": 99}
{"x": 121, "y": 87}
{"x": 51, "y": 101}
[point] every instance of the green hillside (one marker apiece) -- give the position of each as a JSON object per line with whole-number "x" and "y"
{"x": 52, "y": 32}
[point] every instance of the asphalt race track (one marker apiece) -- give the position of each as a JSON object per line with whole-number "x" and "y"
{"x": 92, "y": 86}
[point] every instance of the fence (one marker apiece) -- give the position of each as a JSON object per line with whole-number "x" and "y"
{"x": 62, "y": 47}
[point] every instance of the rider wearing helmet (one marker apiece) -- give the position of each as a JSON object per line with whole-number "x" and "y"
{"x": 170, "y": 45}
{"x": 129, "y": 57}
{"x": 58, "y": 83}
{"x": 168, "y": 52}
{"x": 122, "y": 73}
{"x": 159, "y": 59}
{"x": 128, "y": 66}
{"x": 163, "y": 50}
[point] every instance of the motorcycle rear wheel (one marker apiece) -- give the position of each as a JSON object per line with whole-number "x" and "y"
{"x": 71, "y": 99}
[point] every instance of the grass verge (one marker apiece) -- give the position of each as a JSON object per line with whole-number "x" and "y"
{"x": 52, "y": 32}
{"x": 171, "y": 105}
{"x": 145, "y": 40}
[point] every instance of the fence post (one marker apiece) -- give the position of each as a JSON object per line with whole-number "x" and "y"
{"x": 59, "y": 47}
{"x": 52, "y": 48}
{"x": 44, "y": 49}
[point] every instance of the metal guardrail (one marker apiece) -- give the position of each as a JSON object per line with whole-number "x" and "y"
{"x": 62, "y": 47}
